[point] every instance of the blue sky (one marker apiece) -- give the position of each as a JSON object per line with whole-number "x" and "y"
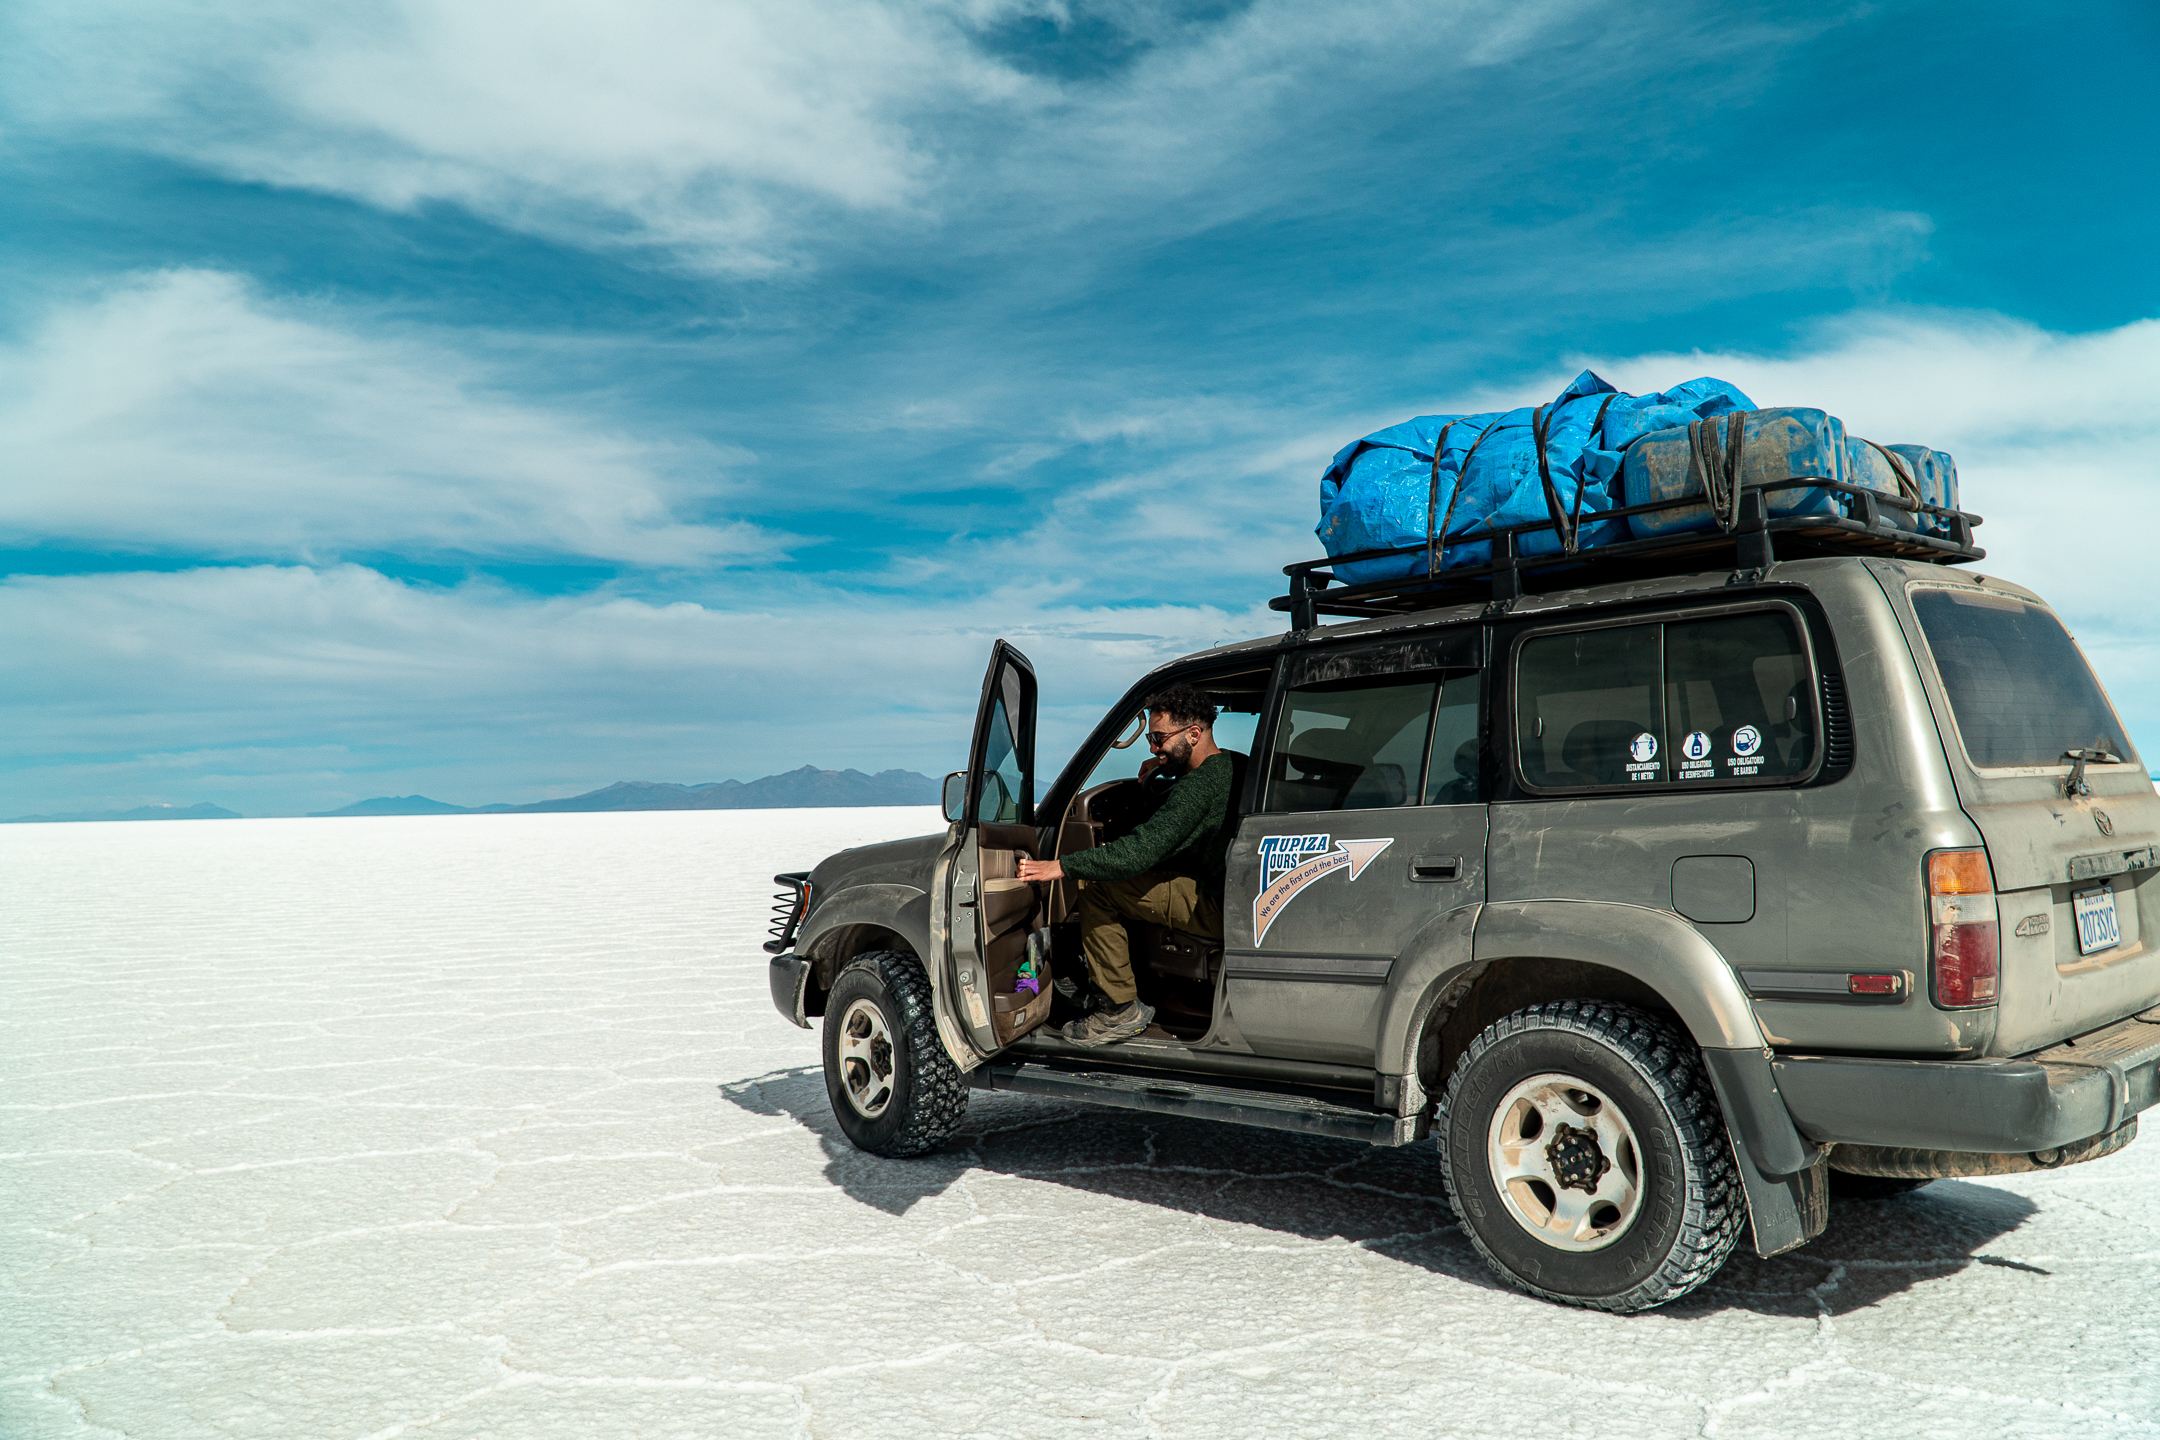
{"x": 495, "y": 401}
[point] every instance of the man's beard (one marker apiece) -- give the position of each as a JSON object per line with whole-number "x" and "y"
{"x": 1178, "y": 759}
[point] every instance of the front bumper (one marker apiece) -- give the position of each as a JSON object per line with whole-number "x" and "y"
{"x": 2052, "y": 1098}
{"x": 787, "y": 974}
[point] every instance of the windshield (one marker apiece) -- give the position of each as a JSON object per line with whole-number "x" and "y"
{"x": 2021, "y": 691}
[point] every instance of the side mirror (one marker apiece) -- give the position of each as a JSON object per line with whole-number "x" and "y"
{"x": 955, "y": 795}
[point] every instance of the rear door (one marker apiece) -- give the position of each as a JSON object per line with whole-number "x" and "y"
{"x": 990, "y": 911}
{"x": 2012, "y": 693}
{"x": 1651, "y": 760}
{"x": 1368, "y": 822}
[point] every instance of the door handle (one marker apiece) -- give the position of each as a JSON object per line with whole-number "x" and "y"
{"x": 1436, "y": 867}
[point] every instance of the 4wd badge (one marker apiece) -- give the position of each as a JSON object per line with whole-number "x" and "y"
{"x": 1289, "y": 863}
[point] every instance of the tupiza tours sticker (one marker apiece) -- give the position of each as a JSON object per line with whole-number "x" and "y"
{"x": 1289, "y": 863}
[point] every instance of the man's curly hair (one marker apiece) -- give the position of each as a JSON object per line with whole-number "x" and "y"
{"x": 1183, "y": 704}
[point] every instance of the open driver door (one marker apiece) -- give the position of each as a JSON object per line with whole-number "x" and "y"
{"x": 989, "y": 911}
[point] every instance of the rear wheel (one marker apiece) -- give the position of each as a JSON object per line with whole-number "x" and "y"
{"x": 1584, "y": 1151}
{"x": 893, "y": 1088}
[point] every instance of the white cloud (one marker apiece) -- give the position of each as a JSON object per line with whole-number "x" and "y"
{"x": 741, "y": 132}
{"x": 287, "y": 688}
{"x": 2057, "y": 437}
{"x": 678, "y": 121}
{"x": 182, "y": 412}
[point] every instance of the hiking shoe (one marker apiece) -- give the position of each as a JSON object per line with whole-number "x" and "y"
{"x": 1105, "y": 1027}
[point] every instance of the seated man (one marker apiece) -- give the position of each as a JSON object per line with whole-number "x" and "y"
{"x": 1168, "y": 871}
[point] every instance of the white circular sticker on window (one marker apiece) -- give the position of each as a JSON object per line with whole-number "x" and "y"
{"x": 1644, "y": 748}
{"x": 1746, "y": 740}
{"x": 1697, "y": 745}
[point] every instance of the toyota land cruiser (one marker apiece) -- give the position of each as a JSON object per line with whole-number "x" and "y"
{"x": 1656, "y": 898}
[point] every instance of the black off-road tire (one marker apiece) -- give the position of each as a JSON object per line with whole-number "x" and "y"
{"x": 1692, "y": 1210}
{"x": 1847, "y": 1186}
{"x": 928, "y": 1096}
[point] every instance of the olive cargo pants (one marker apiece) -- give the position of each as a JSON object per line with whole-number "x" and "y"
{"x": 1174, "y": 901}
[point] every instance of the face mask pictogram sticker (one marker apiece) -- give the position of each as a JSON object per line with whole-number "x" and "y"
{"x": 1746, "y": 758}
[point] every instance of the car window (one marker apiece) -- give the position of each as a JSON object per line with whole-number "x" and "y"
{"x": 1725, "y": 699}
{"x": 2021, "y": 691}
{"x": 1452, "y": 774}
{"x": 1588, "y": 708}
{"x": 1233, "y": 731}
{"x": 1351, "y": 745}
{"x": 1737, "y": 698}
{"x": 1002, "y": 779}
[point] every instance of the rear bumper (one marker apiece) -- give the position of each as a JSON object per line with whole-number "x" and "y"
{"x": 786, "y": 974}
{"x": 2044, "y": 1101}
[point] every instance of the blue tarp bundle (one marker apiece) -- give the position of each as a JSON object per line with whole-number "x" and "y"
{"x": 1384, "y": 490}
{"x": 1572, "y": 460}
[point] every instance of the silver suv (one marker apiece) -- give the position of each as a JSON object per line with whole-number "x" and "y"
{"x": 1658, "y": 901}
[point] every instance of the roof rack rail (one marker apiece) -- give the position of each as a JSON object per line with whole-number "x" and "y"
{"x": 1756, "y": 541}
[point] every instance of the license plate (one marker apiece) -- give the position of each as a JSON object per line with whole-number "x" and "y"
{"x": 2098, "y": 928}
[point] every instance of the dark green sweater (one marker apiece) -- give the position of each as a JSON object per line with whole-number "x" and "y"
{"x": 1187, "y": 836}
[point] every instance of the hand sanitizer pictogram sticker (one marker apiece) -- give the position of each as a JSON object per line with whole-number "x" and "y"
{"x": 1695, "y": 762}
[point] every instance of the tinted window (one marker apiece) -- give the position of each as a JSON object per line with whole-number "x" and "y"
{"x": 1587, "y": 708}
{"x": 1726, "y": 698}
{"x": 1737, "y": 698}
{"x": 1351, "y": 745}
{"x": 1452, "y": 772}
{"x": 2020, "y": 690}
{"x": 1002, "y": 780}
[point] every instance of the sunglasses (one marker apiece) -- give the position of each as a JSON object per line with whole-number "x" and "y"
{"x": 1159, "y": 738}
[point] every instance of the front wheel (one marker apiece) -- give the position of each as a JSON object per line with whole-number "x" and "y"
{"x": 893, "y": 1088}
{"x": 1583, "y": 1148}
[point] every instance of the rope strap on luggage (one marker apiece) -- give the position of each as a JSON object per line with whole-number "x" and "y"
{"x": 1905, "y": 479}
{"x": 1432, "y": 499}
{"x": 1566, "y": 523}
{"x": 1714, "y": 451}
{"x": 1435, "y": 538}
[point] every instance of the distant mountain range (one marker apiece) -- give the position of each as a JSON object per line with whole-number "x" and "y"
{"x": 205, "y": 811}
{"x": 802, "y": 789}
{"x": 806, "y": 788}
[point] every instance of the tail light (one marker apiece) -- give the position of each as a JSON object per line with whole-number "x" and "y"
{"x": 1964, "y": 949}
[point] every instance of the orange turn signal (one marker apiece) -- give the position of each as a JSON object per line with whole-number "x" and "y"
{"x": 1959, "y": 872}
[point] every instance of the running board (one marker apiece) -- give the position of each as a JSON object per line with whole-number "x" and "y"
{"x": 1204, "y": 1102}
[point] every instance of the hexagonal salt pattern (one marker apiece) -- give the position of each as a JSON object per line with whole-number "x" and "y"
{"x": 485, "y": 1126}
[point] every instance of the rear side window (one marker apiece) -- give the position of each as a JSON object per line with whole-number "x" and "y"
{"x": 1727, "y": 699}
{"x": 1351, "y": 745}
{"x": 2021, "y": 691}
{"x": 1452, "y": 771}
{"x": 1590, "y": 709}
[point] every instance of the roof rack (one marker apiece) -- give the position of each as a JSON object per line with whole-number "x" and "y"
{"x": 1755, "y": 541}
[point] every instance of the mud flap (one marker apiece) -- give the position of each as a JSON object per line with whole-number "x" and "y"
{"x": 1787, "y": 1179}
{"x": 1784, "y": 1211}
